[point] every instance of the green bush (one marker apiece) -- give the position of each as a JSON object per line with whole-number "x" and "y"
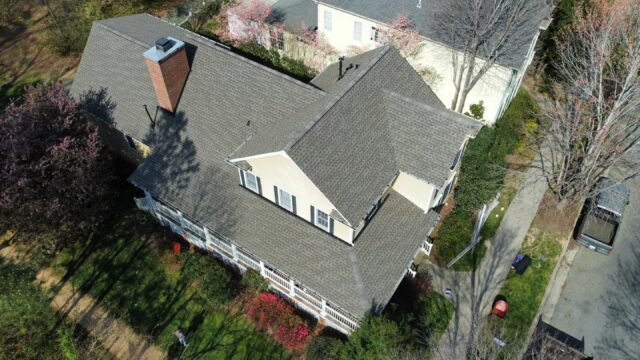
{"x": 252, "y": 279}
{"x": 377, "y": 338}
{"x": 324, "y": 348}
{"x": 211, "y": 279}
{"x": 271, "y": 58}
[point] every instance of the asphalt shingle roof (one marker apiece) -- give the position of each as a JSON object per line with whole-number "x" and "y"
{"x": 357, "y": 146}
{"x": 188, "y": 171}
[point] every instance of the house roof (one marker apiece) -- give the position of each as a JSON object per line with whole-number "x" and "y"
{"x": 293, "y": 13}
{"x": 187, "y": 168}
{"x": 383, "y": 120}
{"x": 425, "y": 20}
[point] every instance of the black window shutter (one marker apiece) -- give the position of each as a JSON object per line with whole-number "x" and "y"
{"x": 259, "y": 186}
{"x": 275, "y": 193}
{"x": 313, "y": 213}
{"x": 293, "y": 202}
{"x": 331, "y": 226}
{"x": 242, "y": 178}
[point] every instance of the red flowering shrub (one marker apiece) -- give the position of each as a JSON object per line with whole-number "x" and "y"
{"x": 292, "y": 334}
{"x": 269, "y": 312}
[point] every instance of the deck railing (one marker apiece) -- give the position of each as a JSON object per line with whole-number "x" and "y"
{"x": 314, "y": 299}
{"x": 338, "y": 315}
{"x": 277, "y": 278}
{"x": 248, "y": 260}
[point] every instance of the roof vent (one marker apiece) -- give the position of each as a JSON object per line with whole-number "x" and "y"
{"x": 169, "y": 68}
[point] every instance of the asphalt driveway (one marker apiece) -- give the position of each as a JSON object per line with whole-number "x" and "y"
{"x": 600, "y": 301}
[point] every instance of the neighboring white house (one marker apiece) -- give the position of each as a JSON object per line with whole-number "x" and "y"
{"x": 351, "y": 24}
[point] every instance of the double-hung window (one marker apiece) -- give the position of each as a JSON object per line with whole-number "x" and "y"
{"x": 322, "y": 220}
{"x": 251, "y": 182}
{"x": 285, "y": 200}
{"x": 328, "y": 23}
{"x": 357, "y": 31}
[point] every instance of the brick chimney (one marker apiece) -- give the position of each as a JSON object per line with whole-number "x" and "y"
{"x": 168, "y": 66}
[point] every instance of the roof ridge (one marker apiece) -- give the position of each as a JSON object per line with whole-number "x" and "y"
{"x": 210, "y": 43}
{"x": 118, "y": 33}
{"x": 455, "y": 116}
{"x": 336, "y": 98}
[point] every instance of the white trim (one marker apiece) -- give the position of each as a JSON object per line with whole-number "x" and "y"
{"x": 316, "y": 223}
{"x": 256, "y": 156}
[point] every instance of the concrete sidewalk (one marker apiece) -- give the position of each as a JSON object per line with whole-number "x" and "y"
{"x": 473, "y": 293}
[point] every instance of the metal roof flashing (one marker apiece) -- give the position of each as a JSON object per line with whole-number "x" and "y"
{"x": 159, "y": 55}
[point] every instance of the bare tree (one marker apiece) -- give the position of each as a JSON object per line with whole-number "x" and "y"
{"x": 592, "y": 123}
{"x": 484, "y": 32}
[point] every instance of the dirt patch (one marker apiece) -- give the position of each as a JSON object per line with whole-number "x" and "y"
{"x": 24, "y": 55}
{"x": 555, "y": 220}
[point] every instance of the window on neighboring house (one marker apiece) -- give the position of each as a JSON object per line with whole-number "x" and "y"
{"x": 357, "y": 31}
{"x": 251, "y": 182}
{"x": 322, "y": 220}
{"x": 375, "y": 34}
{"x": 130, "y": 141}
{"x": 458, "y": 156}
{"x": 285, "y": 199}
{"x": 328, "y": 23}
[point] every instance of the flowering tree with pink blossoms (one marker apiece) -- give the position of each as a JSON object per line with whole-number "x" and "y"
{"x": 246, "y": 20}
{"x": 403, "y": 35}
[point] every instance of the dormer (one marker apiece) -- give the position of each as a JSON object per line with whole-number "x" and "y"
{"x": 276, "y": 178}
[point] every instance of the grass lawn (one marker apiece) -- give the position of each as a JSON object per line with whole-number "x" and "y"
{"x": 128, "y": 272}
{"x": 524, "y": 293}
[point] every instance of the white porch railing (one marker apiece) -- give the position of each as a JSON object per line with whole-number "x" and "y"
{"x": 277, "y": 278}
{"x": 344, "y": 319}
{"x": 314, "y": 300}
{"x": 248, "y": 260}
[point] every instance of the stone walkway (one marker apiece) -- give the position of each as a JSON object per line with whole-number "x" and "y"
{"x": 115, "y": 335}
{"x": 474, "y": 292}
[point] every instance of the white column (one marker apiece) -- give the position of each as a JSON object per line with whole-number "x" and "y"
{"x": 181, "y": 218}
{"x": 323, "y": 309}
{"x": 234, "y": 252}
{"x": 292, "y": 285}
{"x": 206, "y": 234}
{"x": 262, "y": 268}
{"x": 150, "y": 201}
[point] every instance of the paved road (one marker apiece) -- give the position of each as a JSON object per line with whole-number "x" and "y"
{"x": 600, "y": 301}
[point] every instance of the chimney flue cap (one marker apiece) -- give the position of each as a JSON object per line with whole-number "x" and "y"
{"x": 164, "y": 44}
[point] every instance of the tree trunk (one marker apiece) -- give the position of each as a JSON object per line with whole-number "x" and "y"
{"x": 467, "y": 80}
